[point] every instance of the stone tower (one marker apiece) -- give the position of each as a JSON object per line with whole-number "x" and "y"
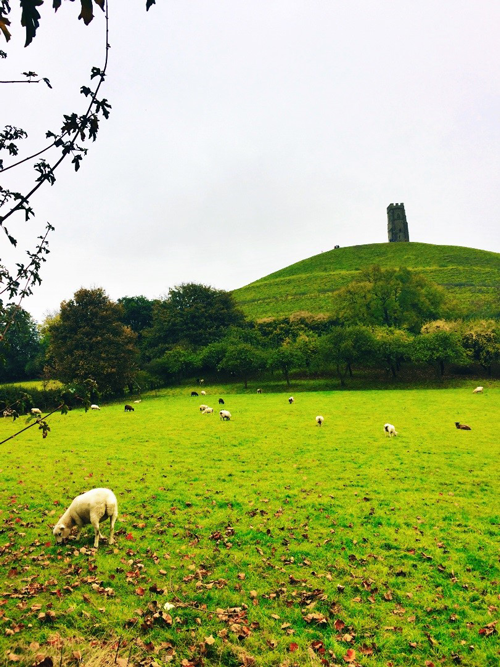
{"x": 397, "y": 226}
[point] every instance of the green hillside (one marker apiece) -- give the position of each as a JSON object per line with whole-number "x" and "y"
{"x": 473, "y": 275}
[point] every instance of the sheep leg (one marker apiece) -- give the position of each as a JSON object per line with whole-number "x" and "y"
{"x": 112, "y": 528}
{"x": 79, "y": 528}
{"x": 94, "y": 520}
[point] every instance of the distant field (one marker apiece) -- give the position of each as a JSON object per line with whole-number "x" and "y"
{"x": 33, "y": 384}
{"x": 274, "y": 539}
{"x": 473, "y": 275}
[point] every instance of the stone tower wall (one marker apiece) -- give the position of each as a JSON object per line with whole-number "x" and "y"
{"x": 397, "y": 225}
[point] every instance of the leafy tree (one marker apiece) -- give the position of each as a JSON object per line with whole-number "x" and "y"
{"x": 437, "y": 346}
{"x": 285, "y": 358}
{"x": 137, "y": 313}
{"x": 307, "y": 346}
{"x": 88, "y": 340}
{"x": 20, "y": 350}
{"x": 482, "y": 340}
{"x": 192, "y": 315}
{"x": 393, "y": 347}
{"x": 174, "y": 364}
{"x": 344, "y": 347}
{"x": 397, "y": 298}
{"x": 243, "y": 360}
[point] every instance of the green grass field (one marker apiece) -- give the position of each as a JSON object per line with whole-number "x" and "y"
{"x": 470, "y": 274}
{"x": 279, "y": 543}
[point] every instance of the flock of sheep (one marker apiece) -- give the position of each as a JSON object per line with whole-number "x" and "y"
{"x": 97, "y": 505}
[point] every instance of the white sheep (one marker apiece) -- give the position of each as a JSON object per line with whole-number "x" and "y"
{"x": 225, "y": 415}
{"x": 291, "y": 400}
{"x": 203, "y": 407}
{"x": 207, "y": 411}
{"x": 259, "y": 391}
{"x": 390, "y": 430}
{"x": 91, "y": 507}
{"x": 320, "y": 420}
{"x": 36, "y": 411}
{"x": 478, "y": 390}
{"x": 94, "y": 407}
{"x": 138, "y": 400}
{"x": 203, "y": 392}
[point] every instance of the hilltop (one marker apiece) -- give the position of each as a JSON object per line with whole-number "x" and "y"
{"x": 470, "y": 274}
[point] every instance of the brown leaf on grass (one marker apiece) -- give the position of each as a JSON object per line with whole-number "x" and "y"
{"x": 13, "y": 657}
{"x": 140, "y": 591}
{"x": 388, "y": 596}
{"x": 488, "y": 629}
{"x": 209, "y": 640}
{"x": 350, "y": 655}
{"x": 43, "y": 661}
{"x": 315, "y": 618}
{"x": 293, "y": 647}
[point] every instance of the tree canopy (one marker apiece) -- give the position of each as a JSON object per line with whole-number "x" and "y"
{"x": 193, "y": 315}
{"x": 89, "y": 341}
{"x": 392, "y": 297}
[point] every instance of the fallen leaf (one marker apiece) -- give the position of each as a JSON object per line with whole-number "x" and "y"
{"x": 350, "y": 656}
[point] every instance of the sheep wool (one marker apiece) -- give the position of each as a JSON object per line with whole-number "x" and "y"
{"x": 92, "y": 507}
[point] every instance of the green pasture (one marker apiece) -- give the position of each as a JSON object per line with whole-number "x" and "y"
{"x": 470, "y": 275}
{"x": 279, "y": 543}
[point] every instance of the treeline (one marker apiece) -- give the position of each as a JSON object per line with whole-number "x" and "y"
{"x": 386, "y": 319}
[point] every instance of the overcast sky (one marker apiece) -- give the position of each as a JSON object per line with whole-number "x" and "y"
{"x": 248, "y": 135}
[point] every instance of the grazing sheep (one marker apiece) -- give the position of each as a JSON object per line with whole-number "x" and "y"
{"x": 138, "y": 400}
{"x": 207, "y": 411}
{"x": 221, "y": 401}
{"x": 36, "y": 411}
{"x": 129, "y": 408}
{"x": 203, "y": 393}
{"x": 390, "y": 430}
{"x": 478, "y": 390}
{"x": 291, "y": 400}
{"x": 259, "y": 391}
{"x": 94, "y": 407}
{"x": 202, "y": 381}
{"x": 225, "y": 415}
{"x": 91, "y": 507}
{"x": 7, "y": 412}
{"x": 203, "y": 407}
{"x": 463, "y": 427}
{"x": 320, "y": 420}
{"x": 194, "y": 393}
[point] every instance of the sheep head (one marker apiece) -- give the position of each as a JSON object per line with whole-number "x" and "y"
{"x": 61, "y": 532}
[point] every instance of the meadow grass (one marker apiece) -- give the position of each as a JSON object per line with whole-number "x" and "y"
{"x": 471, "y": 275}
{"x": 278, "y": 542}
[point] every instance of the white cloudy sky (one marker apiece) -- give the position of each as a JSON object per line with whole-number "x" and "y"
{"x": 246, "y": 135}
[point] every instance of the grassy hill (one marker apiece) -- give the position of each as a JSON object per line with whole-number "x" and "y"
{"x": 472, "y": 275}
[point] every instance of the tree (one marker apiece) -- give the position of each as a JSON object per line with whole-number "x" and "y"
{"x": 137, "y": 313}
{"x": 192, "y": 315}
{"x": 174, "y": 364}
{"x": 397, "y": 298}
{"x": 20, "y": 350}
{"x": 285, "y": 358}
{"x": 482, "y": 340}
{"x": 344, "y": 347}
{"x": 393, "y": 347}
{"x": 437, "y": 346}
{"x": 243, "y": 360}
{"x": 88, "y": 340}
